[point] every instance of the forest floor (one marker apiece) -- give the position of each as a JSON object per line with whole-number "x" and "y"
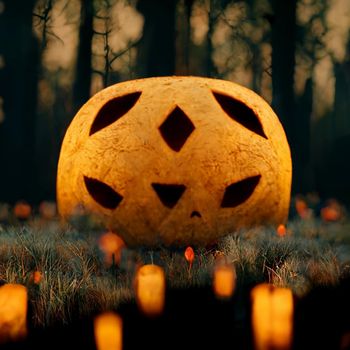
{"x": 312, "y": 258}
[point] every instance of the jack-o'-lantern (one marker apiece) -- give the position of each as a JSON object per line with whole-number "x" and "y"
{"x": 176, "y": 161}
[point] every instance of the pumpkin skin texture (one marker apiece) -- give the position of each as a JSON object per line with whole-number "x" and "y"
{"x": 176, "y": 161}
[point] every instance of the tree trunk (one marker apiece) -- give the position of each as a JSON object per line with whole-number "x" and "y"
{"x": 283, "y": 25}
{"x": 211, "y": 72}
{"x": 82, "y": 83}
{"x": 184, "y": 38}
{"x": 18, "y": 88}
{"x": 302, "y": 145}
{"x": 156, "y": 50}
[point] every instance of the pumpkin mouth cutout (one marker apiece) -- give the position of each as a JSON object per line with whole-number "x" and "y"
{"x": 169, "y": 194}
{"x": 195, "y": 213}
{"x": 238, "y": 192}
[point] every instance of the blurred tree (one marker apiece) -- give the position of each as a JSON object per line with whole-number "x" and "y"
{"x": 83, "y": 70}
{"x": 156, "y": 50}
{"x": 183, "y": 47}
{"x": 213, "y": 14}
{"x": 342, "y": 94}
{"x": 283, "y": 35}
{"x": 18, "y": 87}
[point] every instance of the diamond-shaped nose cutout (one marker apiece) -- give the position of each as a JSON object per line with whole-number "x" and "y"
{"x": 176, "y": 129}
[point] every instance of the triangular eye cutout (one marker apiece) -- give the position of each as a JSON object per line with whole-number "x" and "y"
{"x": 240, "y": 112}
{"x": 169, "y": 195}
{"x": 239, "y": 192}
{"x": 176, "y": 129}
{"x": 113, "y": 110}
{"x": 102, "y": 193}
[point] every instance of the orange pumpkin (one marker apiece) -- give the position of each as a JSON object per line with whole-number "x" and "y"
{"x": 175, "y": 160}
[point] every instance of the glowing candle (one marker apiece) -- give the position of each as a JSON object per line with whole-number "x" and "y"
{"x": 272, "y": 317}
{"x": 150, "y": 289}
{"x": 13, "y": 312}
{"x": 224, "y": 281}
{"x": 108, "y": 329}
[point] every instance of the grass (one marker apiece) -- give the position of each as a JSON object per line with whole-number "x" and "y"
{"x": 76, "y": 283}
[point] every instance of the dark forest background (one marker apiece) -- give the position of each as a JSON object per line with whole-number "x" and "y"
{"x": 54, "y": 54}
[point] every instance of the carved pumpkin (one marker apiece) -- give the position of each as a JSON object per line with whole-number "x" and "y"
{"x": 176, "y": 160}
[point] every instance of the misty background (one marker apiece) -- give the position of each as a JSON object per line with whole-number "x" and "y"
{"x": 55, "y": 54}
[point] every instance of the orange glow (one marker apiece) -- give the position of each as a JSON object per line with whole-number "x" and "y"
{"x": 108, "y": 330}
{"x": 345, "y": 341}
{"x": 219, "y": 256}
{"x": 111, "y": 245}
{"x": 224, "y": 281}
{"x": 272, "y": 317}
{"x": 47, "y": 210}
{"x": 22, "y": 210}
{"x": 36, "y": 277}
{"x": 281, "y": 230}
{"x": 302, "y": 208}
{"x": 13, "y": 312}
{"x": 332, "y": 212}
{"x": 189, "y": 255}
{"x": 150, "y": 289}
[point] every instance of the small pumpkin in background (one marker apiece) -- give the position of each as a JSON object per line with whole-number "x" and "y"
{"x": 22, "y": 210}
{"x": 176, "y": 161}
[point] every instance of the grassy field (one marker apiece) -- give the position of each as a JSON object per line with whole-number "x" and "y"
{"x": 77, "y": 283}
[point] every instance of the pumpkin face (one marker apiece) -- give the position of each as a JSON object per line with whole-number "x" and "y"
{"x": 175, "y": 161}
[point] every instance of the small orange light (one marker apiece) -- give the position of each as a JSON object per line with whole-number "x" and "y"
{"x": 281, "y": 230}
{"x": 189, "y": 255}
{"x": 111, "y": 245}
{"x": 302, "y": 208}
{"x": 48, "y": 210}
{"x": 37, "y": 276}
{"x": 22, "y": 210}
{"x": 332, "y": 212}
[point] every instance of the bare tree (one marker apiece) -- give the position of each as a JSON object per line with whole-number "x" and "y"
{"x": 20, "y": 51}
{"x": 283, "y": 35}
{"x": 82, "y": 82}
{"x": 156, "y": 50}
